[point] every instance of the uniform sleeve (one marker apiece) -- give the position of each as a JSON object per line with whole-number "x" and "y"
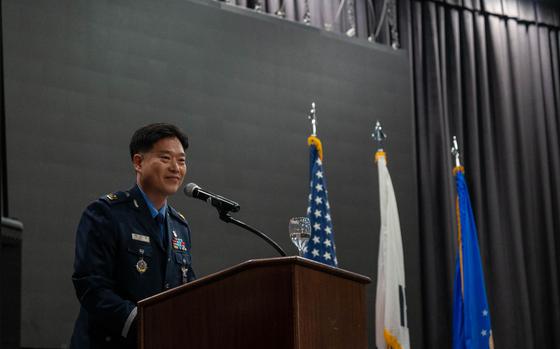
{"x": 93, "y": 277}
{"x": 191, "y": 275}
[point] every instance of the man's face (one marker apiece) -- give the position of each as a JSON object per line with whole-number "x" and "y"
{"x": 161, "y": 170}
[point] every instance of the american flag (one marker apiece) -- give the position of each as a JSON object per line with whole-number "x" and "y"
{"x": 320, "y": 247}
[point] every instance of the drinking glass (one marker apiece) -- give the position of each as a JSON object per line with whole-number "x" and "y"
{"x": 300, "y": 231}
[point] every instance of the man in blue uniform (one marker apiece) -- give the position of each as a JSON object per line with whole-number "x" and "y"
{"x": 131, "y": 244}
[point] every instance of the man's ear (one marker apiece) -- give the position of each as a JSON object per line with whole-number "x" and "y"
{"x": 137, "y": 162}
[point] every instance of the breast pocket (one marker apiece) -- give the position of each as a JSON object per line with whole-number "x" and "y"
{"x": 183, "y": 258}
{"x": 183, "y": 261}
{"x": 140, "y": 257}
{"x": 139, "y": 249}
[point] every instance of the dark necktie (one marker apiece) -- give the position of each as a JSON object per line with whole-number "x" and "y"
{"x": 160, "y": 219}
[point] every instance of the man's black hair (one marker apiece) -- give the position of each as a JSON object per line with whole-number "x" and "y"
{"x": 145, "y": 137}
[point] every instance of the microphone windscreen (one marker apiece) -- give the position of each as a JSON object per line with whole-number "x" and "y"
{"x": 190, "y": 188}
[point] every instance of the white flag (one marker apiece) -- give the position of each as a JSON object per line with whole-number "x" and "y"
{"x": 391, "y": 326}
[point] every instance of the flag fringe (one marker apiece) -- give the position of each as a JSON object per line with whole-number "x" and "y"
{"x": 460, "y": 243}
{"x": 317, "y": 143}
{"x": 458, "y": 169}
{"x": 380, "y": 154}
{"x": 392, "y": 341}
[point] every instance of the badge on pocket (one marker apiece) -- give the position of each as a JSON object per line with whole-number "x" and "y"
{"x": 141, "y": 265}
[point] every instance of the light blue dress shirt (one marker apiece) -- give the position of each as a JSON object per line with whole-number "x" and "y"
{"x": 154, "y": 211}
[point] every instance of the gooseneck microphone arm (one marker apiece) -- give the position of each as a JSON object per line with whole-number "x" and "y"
{"x": 225, "y": 206}
{"x": 226, "y": 217}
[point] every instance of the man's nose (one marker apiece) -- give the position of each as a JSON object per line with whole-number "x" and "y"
{"x": 174, "y": 166}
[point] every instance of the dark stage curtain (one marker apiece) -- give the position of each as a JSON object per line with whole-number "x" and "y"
{"x": 488, "y": 72}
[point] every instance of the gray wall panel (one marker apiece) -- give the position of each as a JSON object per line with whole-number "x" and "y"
{"x": 81, "y": 76}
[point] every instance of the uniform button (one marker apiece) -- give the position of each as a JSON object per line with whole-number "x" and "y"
{"x": 107, "y": 339}
{"x": 169, "y": 259}
{"x": 167, "y": 286}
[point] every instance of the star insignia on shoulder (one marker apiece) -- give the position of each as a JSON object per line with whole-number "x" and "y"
{"x": 111, "y": 196}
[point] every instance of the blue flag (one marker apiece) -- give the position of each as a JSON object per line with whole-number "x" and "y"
{"x": 471, "y": 316}
{"x": 321, "y": 246}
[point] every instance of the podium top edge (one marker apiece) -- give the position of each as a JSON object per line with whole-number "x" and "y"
{"x": 307, "y": 263}
{"x": 255, "y": 263}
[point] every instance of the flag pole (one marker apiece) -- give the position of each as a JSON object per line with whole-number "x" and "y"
{"x": 471, "y": 319}
{"x": 323, "y": 249}
{"x": 391, "y": 325}
{"x": 378, "y": 135}
{"x": 312, "y": 116}
{"x": 455, "y": 152}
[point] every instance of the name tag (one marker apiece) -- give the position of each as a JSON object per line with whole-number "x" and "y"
{"x": 142, "y": 238}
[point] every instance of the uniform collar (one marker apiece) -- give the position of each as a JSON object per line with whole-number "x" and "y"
{"x": 153, "y": 210}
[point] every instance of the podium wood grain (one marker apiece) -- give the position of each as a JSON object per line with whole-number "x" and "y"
{"x": 286, "y": 302}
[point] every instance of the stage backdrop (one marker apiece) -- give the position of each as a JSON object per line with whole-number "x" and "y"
{"x": 81, "y": 76}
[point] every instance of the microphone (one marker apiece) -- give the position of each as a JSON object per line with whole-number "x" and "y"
{"x": 225, "y": 206}
{"x": 221, "y": 203}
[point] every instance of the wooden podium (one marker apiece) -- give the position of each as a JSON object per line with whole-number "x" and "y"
{"x": 287, "y": 302}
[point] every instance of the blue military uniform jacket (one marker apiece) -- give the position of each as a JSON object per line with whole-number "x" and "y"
{"x": 121, "y": 258}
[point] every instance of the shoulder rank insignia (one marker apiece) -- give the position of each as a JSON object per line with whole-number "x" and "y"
{"x": 180, "y": 215}
{"x": 115, "y": 197}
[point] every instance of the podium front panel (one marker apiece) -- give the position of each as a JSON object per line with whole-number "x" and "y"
{"x": 276, "y": 303}
{"x": 253, "y": 309}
